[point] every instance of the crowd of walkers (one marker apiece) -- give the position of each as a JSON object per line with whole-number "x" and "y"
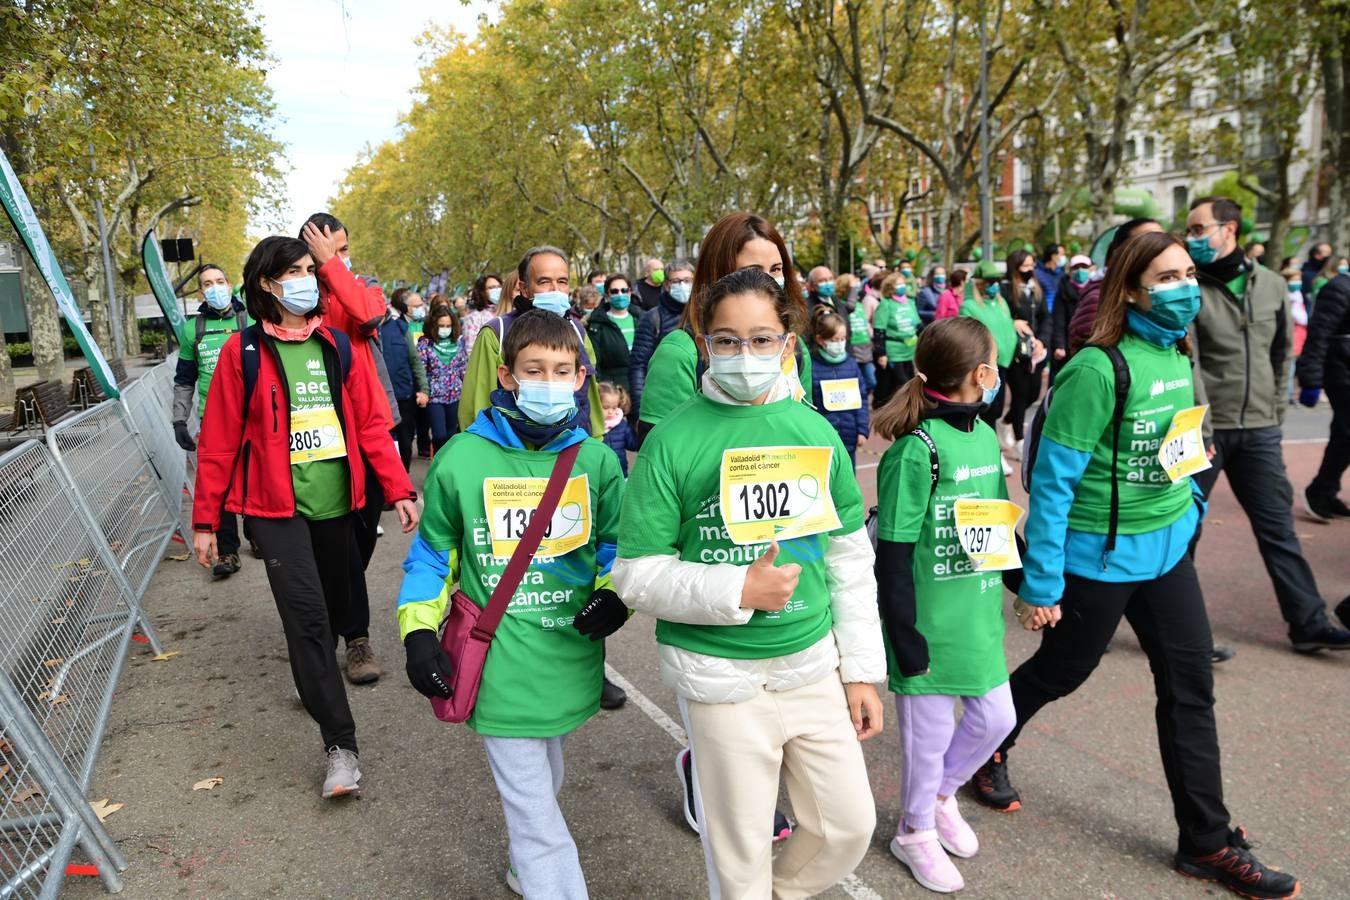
{"x": 739, "y": 388}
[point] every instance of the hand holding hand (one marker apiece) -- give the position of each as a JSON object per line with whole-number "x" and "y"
{"x": 769, "y": 587}
{"x": 864, "y": 707}
{"x": 422, "y": 399}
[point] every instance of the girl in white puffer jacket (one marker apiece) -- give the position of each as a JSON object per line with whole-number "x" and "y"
{"x": 742, "y": 533}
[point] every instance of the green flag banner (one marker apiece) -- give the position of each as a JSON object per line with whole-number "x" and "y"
{"x": 162, "y": 287}
{"x": 25, "y": 222}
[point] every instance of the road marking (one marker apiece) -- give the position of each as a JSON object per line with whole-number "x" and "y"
{"x": 851, "y": 884}
{"x": 868, "y": 465}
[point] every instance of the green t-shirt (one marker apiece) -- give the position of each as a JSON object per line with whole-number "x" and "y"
{"x": 959, "y": 611}
{"x": 542, "y": 677}
{"x": 673, "y": 507}
{"x": 627, "y": 324}
{"x": 323, "y": 488}
{"x": 1080, "y": 417}
{"x": 996, "y": 316}
{"x": 857, "y": 325}
{"x": 900, "y": 320}
{"x": 672, "y": 376}
{"x": 206, "y": 352}
{"x": 415, "y": 329}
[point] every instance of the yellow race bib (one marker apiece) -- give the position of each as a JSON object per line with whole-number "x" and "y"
{"x": 510, "y": 504}
{"x": 777, "y": 493}
{"x": 1182, "y": 451}
{"x": 316, "y": 434}
{"x": 839, "y": 394}
{"x": 987, "y": 529}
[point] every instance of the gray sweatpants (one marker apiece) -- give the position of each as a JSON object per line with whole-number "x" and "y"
{"x": 529, "y": 774}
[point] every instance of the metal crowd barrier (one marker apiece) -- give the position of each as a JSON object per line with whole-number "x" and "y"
{"x": 84, "y": 520}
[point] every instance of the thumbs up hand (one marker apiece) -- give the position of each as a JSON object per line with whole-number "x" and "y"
{"x": 769, "y": 587}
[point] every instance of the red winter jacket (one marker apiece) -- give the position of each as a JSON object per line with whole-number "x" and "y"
{"x": 354, "y": 308}
{"x": 251, "y": 458}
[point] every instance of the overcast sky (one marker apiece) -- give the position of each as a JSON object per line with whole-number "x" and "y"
{"x": 343, "y": 75}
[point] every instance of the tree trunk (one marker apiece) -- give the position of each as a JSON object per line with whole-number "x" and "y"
{"x": 1336, "y": 82}
{"x": 6, "y": 374}
{"x": 953, "y": 194}
{"x": 99, "y": 325}
{"x": 44, "y": 321}
{"x": 131, "y": 326}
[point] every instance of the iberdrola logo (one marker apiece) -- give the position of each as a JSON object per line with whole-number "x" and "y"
{"x": 1158, "y": 388}
{"x": 961, "y": 474}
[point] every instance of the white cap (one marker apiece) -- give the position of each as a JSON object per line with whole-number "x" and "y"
{"x": 1080, "y": 260}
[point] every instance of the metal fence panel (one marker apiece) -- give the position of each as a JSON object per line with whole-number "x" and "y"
{"x": 104, "y": 457}
{"x": 149, "y": 416}
{"x": 67, "y": 617}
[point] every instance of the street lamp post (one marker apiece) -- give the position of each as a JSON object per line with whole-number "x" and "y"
{"x": 986, "y": 201}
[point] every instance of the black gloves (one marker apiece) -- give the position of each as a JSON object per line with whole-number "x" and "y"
{"x": 602, "y": 615}
{"x": 428, "y": 665}
{"x": 180, "y": 434}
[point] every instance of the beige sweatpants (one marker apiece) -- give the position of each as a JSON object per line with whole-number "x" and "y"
{"x": 739, "y": 749}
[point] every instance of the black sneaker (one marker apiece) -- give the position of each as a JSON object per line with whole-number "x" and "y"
{"x": 226, "y": 566}
{"x": 611, "y": 695}
{"x": 1221, "y": 654}
{"x": 782, "y": 828}
{"x": 1343, "y": 612}
{"x": 1323, "y": 507}
{"x": 992, "y": 788}
{"x": 1325, "y": 637}
{"x": 1235, "y": 868}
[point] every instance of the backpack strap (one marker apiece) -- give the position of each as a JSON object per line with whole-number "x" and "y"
{"x": 250, "y": 360}
{"x": 933, "y": 465}
{"x": 1122, "y": 373}
{"x": 201, "y": 332}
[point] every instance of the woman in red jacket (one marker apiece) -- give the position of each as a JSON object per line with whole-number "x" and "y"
{"x": 290, "y": 427}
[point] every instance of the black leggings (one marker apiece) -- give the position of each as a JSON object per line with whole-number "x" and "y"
{"x": 307, "y": 567}
{"x": 1168, "y": 616}
{"x": 1024, "y": 386}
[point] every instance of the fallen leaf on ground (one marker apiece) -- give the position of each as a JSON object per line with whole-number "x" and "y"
{"x": 28, "y": 793}
{"x": 179, "y": 557}
{"x": 103, "y": 809}
{"x": 59, "y": 620}
{"x": 52, "y": 663}
{"x": 4, "y": 770}
{"x": 59, "y": 700}
{"x": 163, "y": 656}
{"x": 207, "y": 784}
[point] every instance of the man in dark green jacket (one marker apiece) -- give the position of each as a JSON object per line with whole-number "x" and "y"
{"x": 1244, "y": 338}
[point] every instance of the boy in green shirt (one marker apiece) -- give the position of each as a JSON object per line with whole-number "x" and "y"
{"x": 563, "y": 606}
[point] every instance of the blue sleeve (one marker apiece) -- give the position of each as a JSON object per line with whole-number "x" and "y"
{"x": 604, "y": 558}
{"x": 1054, "y": 479}
{"x": 644, "y": 344}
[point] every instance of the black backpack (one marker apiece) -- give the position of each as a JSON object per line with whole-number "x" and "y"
{"x": 240, "y": 321}
{"x": 250, "y": 358}
{"x": 927, "y": 438}
{"x": 1033, "y": 439}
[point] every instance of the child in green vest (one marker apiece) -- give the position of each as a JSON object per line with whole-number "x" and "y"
{"x": 563, "y": 606}
{"x": 774, "y": 663}
{"x": 943, "y": 619}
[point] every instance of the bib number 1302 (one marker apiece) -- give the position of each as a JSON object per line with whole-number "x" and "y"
{"x": 771, "y": 500}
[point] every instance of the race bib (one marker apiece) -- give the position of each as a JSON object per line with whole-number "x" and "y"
{"x": 776, "y": 493}
{"x": 839, "y": 394}
{"x": 510, "y": 504}
{"x": 1182, "y": 451}
{"x": 315, "y": 434}
{"x": 986, "y": 529}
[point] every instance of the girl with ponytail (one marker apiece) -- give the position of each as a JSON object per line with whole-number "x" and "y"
{"x": 942, "y": 619}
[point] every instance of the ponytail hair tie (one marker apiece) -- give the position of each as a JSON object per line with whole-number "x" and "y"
{"x": 922, "y": 377}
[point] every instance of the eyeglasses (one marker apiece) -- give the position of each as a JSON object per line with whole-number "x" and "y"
{"x": 1197, "y": 230}
{"x": 615, "y": 292}
{"x": 764, "y": 346}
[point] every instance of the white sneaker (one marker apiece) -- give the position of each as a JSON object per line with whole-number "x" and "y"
{"x": 379, "y": 531}
{"x": 1016, "y": 451}
{"x": 954, "y": 832}
{"x": 512, "y": 881}
{"x": 1005, "y": 435}
{"x": 1007, "y": 466}
{"x": 921, "y": 852}
{"x": 344, "y": 775}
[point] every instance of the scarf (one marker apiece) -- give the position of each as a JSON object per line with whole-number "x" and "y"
{"x": 1226, "y": 269}
{"x": 1144, "y": 327}
{"x": 282, "y": 333}
{"x": 445, "y": 350}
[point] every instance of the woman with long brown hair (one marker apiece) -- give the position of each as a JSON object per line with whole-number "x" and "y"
{"x": 1113, "y": 509}
{"x": 737, "y": 241}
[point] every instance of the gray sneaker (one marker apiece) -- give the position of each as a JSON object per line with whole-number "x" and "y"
{"x": 343, "y": 774}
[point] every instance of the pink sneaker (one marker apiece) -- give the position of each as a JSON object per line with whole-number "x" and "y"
{"x": 953, "y": 832}
{"x": 930, "y": 866}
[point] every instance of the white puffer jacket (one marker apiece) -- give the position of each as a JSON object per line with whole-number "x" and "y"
{"x": 669, "y": 588}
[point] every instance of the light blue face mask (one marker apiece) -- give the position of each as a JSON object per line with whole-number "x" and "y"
{"x": 494, "y": 294}
{"x": 555, "y": 302}
{"x": 418, "y": 314}
{"x": 1202, "y": 253}
{"x": 681, "y": 291}
{"x": 300, "y": 295}
{"x": 781, "y": 281}
{"x": 991, "y": 394}
{"x": 217, "y": 296}
{"x": 347, "y": 261}
{"x": 546, "y": 402}
{"x": 620, "y": 301}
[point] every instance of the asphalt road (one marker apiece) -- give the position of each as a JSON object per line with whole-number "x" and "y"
{"x": 1095, "y": 822}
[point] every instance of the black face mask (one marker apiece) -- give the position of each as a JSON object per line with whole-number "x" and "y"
{"x": 1028, "y": 275}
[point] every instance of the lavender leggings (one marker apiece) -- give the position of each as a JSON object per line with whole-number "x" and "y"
{"x": 939, "y": 755}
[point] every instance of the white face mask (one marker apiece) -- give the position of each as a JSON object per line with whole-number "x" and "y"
{"x": 746, "y": 377}
{"x": 445, "y": 333}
